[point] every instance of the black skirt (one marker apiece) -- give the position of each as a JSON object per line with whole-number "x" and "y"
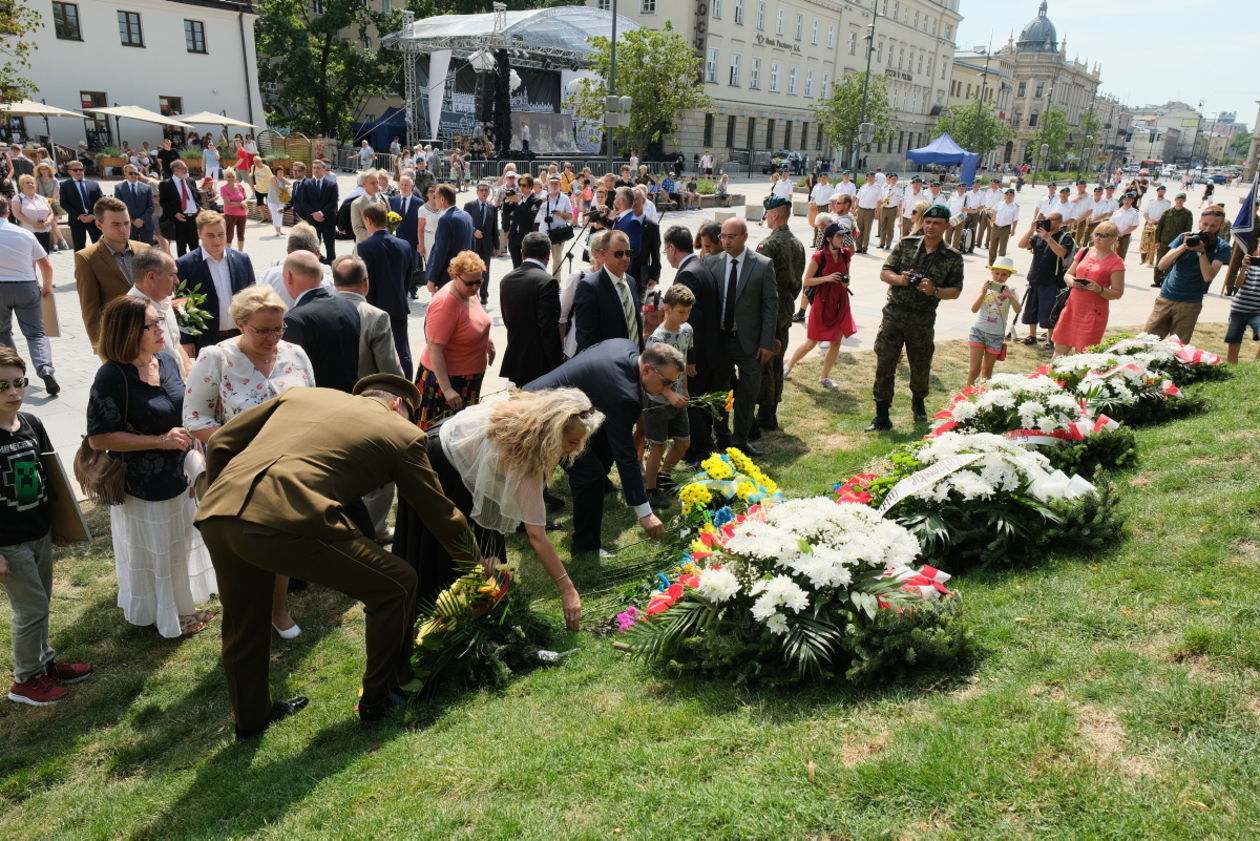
{"x": 416, "y": 545}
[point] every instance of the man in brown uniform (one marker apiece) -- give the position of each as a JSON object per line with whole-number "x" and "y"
{"x": 280, "y": 477}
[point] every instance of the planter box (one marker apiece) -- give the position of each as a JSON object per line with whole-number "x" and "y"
{"x": 737, "y": 200}
{"x": 103, "y": 164}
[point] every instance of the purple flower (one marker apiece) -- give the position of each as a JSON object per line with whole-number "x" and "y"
{"x": 627, "y": 619}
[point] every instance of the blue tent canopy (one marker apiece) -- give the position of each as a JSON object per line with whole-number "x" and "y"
{"x": 943, "y": 150}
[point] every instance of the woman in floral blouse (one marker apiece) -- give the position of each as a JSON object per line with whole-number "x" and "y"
{"x": 243, "y": 372}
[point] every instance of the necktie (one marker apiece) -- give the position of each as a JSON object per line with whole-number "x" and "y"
{"x": 483, "y": 212}
{"x": 183, "y": 186}
{"x": 728, "y": 310}
{"x": 627, "y": 306}
{"x": 406, "y": 204}
{"x": 83, "y": 196}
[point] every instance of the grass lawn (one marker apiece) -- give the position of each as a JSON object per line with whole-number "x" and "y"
{"x": 1111, "y": 696}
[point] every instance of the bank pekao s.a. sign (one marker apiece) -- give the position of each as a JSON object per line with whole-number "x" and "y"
{"x": 763, "y": 41}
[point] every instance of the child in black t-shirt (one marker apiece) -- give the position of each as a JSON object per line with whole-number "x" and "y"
{"x": 26, "y": 544}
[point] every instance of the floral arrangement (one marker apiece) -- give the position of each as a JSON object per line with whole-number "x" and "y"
{"x": 1183, "y": 363}
{"x": 794, "y": 589}
{"x": 392, "y": 220}
{"x": 187, "y": 304}
{"x": 1122, "y": 387}
{"x": 725, "y": 478}
{"x": 979, "y": 499}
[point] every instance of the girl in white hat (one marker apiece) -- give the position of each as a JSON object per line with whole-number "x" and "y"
{"x": 994, "y": 303}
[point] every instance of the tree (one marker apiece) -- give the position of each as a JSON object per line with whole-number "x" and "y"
{"x": 1240, "y": 145}
{"x": 18, "y": 21}
{"x": 658, "y": 70}
{"x": 975, "y": 126}
{"x": 840, "y": 113}
{"x": 319, "y": 74}
{"x": 1053, "y": 132}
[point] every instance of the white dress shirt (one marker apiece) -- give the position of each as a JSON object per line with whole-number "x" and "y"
{"x": 1126, "y": 218}
{"x": 223, "y": 287}
{"x": 821, "y": 194}
{"x": 869, "y": 196}
{"x": 909, "y": 200}
{"x": 892, "y": 194}
{"x": 1102, "y": 207}
{"x": 955, "y": 203}
{"x": 1007, "y": 214}
{"x": 845, "y": 188}
{"x": 1046, "y": 204}
{"x": 992, "y": 198}
{"x": 1156, "y": 208}
{"x": 975, "y": 198}
{"x": 19, "y": 251}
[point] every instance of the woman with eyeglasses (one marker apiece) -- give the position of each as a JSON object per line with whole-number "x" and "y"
{"x": 458, "y": 350}
{"x": 135, "y": 410}
{"x": 494, "y": 461}
{"x": 240, "y": 373}
{"x": 1096, "y": 277}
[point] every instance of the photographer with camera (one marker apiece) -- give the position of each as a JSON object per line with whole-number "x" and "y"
{"x": 1192, "y": 262}
{"x": 554, "y": 218}
{"x": 1050, "y": 243}
{"x": 520, "y": 204}
{"x": 920, "y": 273}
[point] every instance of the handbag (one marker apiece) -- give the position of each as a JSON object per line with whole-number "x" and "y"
{"x": 560, "y": 235}
{"x": 102, "y": 474}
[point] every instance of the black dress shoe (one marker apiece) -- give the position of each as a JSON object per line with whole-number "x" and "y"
{"x": 50, "y": 385}
{"x": 372, "y": 710}
{"x": 749, "y": 449}
{"x": 280, "y": 710}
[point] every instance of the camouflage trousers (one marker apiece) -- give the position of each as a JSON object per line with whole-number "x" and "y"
{"x": 916, "y": 333}
{"x": 772, "y": 372}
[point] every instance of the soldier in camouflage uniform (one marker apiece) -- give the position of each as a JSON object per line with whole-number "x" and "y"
{"x": 788, "y": 256}
{"x": 910, "y": 314}
{"x": 1176, "y": 220}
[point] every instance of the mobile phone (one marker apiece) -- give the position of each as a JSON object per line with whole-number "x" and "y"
{"x": 1083, "y": 284}
{"x": 996, "y": 287}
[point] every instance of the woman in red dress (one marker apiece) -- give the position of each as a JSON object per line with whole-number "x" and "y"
{"x": 830, "y": 317}
{"x": 1096, "y": 277}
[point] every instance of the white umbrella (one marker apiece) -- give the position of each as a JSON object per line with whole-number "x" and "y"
{"x": 210, "y": 118}
{"x": 135, "y": 112}
{"x": 27, "y": 108}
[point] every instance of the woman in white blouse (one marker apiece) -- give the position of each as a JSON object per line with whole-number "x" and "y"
{"x": 243, "y": 372}
{"x": 427, "y": 226}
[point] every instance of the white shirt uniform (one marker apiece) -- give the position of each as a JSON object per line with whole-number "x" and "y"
{"x": 892, "y": 194}
{"x": 869, "y": 196}
{"x": 821, "y": 194}
{"x": 956, "y": 203}
{"x": 782, "y": 188}
{"x": 974, "y": 198}
{"x": 992, "y": 198}
{"x": 1156, "y": 207}
{"x": 845, "y": 188}
{"x": 909, "y": 200}
{"x": 1046, "y": 204}
{"x": 1125, "y": 219}
{"x": 1082, "y": 206}
{"x": 1102, "y": 207}
{"x": 881, "y": 179}
{"x": 1064, "y": 209}
{"x": 1007, "y": 214}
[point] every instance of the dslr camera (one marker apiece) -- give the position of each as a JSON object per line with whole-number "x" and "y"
{"x": 916, "y": 279}
{"x": 1195, "y": 240}
{"x": 1043, "y": 224}
{"x": 549, "y": 218}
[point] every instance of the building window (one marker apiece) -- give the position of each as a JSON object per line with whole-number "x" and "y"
{"x": 761, "y": 17}
{"x": 129, "y": 29}
{"x": 1041, "y": 90}
{"x": 831, "y": 37}
{"x": 708, "y": 129}
{"x": 792, "y": 82}
{"x": 809, "y": 83}
{"x": 317, "y": 6}
{"x": 66, "y": 21}
{"x": 774, "y": 77}
{"x": 769, "y": 134}
{"x": 778, "y": 23}
{"x": 730, "y": 132}
{"x": 1032, "y": 118}
{"x": 800, "y": 26}
{"x": 813, "y": 33}
{"x": 879, "y": 52}
{"x": 169, "y": 106}
{"x": 754, "y": 74}
{"x": 734, "y": 80}
{"x": 739, "y": 12}
{"x": 387, "y": 6}
{"x": 717, "y": 9}
{"x": 949, "y": 33}
{"x": 825, "y": 91}
{"x": 920, "y": 62}
{"x": 1023, "y": 89}
{"x": 804, "y": 135}
{"x": 853, "y": 42}
{"x": 646, "y": 7}
{"x": 195, "y": 36}
{"x": 710, "y": 67}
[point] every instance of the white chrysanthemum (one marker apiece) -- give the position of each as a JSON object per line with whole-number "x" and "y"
{"x": 778, "y": 591}
{"x": 762, "y": 541}
{"x": 1020, "y": 384}
{"x": 718, "y": 585}
{"x": 1063, "y": 402}
{"x": 964, "y": 411}
{"x": 824, "y": 568}
{"x": 969, "y": 486}
{"x": 1030, "y": 411}
{"x": 777, "y": 624}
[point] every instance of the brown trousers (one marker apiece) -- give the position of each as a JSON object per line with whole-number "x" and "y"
{"x": 997, "y": 241}
{"x": 246, "y": 559}
{"x": 887, "y": 226}
{"x": 865, "y": 222}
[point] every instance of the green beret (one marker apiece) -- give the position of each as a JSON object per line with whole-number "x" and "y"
{"x": 772, "y": 202}
{"x": 937, "y": 211}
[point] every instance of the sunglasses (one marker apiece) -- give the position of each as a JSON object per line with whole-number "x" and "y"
{"x": 17, "y": 385}
{"x": 620, "y": 254}
{"x": 473, "y": 283}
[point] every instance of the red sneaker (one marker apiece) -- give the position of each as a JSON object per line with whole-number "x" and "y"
{"x": 39, "y": 691}
{"x": 67, "y": 673}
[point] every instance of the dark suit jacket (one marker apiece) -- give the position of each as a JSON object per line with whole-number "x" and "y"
{"x": 317, "y": 194}
{"x": 529, "y": 299}
{"x": 756, "y": 299}
{"x": 608, "y": 373}
{"x": 73, "y": 202}
{"x": 170, "y": 199}
{"x": 523, "y": 214}
{"x": 454, "y": 234}
{"x": 488, "y": 224}
{"x": 139, "y": 200}
{"x": 294, "y": 463}
{"x": 192, "y": 267}
{"x": 649, "y": 259}
{"x": 390, "y": 262}
{"x": 411, "y": 219}
{"x": 327, "y": 328}
{"x": 598, "y": 313}
{"x": 705, "y": 320}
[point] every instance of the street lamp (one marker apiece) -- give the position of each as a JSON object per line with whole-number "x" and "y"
{"x": 866, "y": 84}
{"x": 1041, "y": 159}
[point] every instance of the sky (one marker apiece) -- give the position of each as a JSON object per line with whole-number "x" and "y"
{"x": 1144, "y": 60}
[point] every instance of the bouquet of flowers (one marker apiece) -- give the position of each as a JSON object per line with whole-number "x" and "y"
{"x": 392, "y": 220}
{"x": 1037, "y": 410}
{"x": 1182, "y": 363}
{"x": 1122, "y": 387}
{"x": 795, "y": 589}
{"x": 980, "y": 499}
{"x": 729, "y": 478}
{"x": 188, "y": 309}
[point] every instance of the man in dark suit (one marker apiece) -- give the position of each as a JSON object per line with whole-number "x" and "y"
{"x": 614, "y": 375}
{"x": 750, "y": 301}
{"x": 520, "y": 207}
{"x": 78, "y": 196}
{"x": 325, "y": 325}
{"x": 485, "y": 222}
{"x": 180, "y": 206}
{"x": 630, "y": 224}
{"x": 529, "y": 298}
{"x": 390, "y": 262}
{"x": 605, "y": 303}
{"x": 407, "y": 204}
{"x": 317, "y": 205}
{"x": 710, "y": 370}
{"x": 218, "y": 272}
{"x": 454, "y": 234}
{"x": 282, "y": 478}
{"x": 138, "y": 196}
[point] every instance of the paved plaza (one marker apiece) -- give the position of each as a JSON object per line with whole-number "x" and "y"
{"x": 65, "y": 415}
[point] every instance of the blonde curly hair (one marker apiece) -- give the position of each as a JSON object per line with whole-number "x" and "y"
{"x": 528, "y": 428}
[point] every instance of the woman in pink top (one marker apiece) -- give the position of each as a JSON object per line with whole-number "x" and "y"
{"x": 458, "y": 350}
{"x": 233, "y": 195}
{"x": 1095, "y": 278}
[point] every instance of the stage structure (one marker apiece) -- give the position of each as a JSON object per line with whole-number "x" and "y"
{"x": 504, "y": 69}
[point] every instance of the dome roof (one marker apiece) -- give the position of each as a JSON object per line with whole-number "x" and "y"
{"x": 1039, "y": 35}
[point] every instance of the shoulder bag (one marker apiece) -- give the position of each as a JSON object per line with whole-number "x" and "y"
{"x": 102, "y": 474}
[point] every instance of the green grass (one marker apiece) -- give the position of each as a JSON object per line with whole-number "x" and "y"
{"x": 1112, "y": 696}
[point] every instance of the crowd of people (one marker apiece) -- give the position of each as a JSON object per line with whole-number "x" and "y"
{"x": 266, "y": 420}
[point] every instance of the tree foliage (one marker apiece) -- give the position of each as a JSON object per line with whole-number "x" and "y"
{"x": 840, "y": 113}
{"x": 975, "y": 126}
{"x": 321, "y": 75}
{"x": 1053, "y": 132}
{"x": 18, "y": 22}
{"x": 1240, "y": 145}
{"x": 658, "y": 70}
